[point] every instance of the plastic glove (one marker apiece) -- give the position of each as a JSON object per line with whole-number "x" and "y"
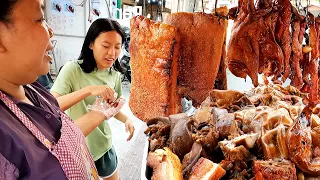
{"x": 108, "y": 109}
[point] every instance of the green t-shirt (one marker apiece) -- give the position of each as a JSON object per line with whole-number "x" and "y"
{"x": 70, "y": 79}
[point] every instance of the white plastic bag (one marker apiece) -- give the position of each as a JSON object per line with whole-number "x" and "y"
{"x": 108, "y": 109}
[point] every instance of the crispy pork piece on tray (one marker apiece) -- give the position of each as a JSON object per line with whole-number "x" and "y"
{"x": 206, "y": 170}
{"x": 202, "y": 39}
{"x": 274, "y": 169}
{"x": 165, "y": 164}
{"x": 154, "y": 50}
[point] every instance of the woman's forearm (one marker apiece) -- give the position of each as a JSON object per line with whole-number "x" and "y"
{"x": 93, "y": 118}
{"x": 90, "y": 121}
{"x": 68, "y": 100}
{"x": 121, "y": 117}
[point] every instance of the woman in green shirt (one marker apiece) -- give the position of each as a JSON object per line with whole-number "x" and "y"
{"x": 96, "y": 69}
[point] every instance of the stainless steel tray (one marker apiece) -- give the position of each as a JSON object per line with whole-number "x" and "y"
{"x": 146, "y": 172}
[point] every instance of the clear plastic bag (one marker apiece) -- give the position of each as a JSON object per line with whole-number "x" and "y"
{"x": 108, "y": 109}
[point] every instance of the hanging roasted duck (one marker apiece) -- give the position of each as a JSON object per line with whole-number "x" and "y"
{"x": 252, "y": 48}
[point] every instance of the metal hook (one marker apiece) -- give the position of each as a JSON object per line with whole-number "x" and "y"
{"x": 144, "y": 8}
{"x": 215, "y": 7}
{"x": 159, "y": 11}
{"x": 194, "y": 5}
{"x": 307, "y": 11}
{"x": 300, "y": 5}
{"x": 89, "y": 15}
{"x": 307, "y": 19}
{"x": 202, "y": 6}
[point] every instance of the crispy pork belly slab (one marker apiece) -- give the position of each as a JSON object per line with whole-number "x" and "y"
{"x": 165, "y": 164}
{"x": 202, "y": 39}
{"x": 206, "y": 170}
{"x": 155, "y": 158}
{"x": 154, "y": 56}
{"x": 274, "y": 169}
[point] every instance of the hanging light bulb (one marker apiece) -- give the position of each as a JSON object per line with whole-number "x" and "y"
{"x": 148, "y": 16}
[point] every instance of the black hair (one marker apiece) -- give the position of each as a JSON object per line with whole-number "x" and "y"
{"x": 97, "y": 27}
{"x": 6, "y": 7}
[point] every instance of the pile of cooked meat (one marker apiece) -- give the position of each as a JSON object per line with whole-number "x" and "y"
{"x": 265, "y": 133}
{"x": 269, "y": 132}
{"x": 271, "y": 38}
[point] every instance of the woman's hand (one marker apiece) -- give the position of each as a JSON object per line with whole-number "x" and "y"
{"x": 129, "y": 128}
{"x": 104, "y": 91}
{"x": 109, "y": 110}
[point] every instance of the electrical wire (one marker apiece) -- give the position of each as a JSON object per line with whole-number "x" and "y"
{"x": 159, "y": 11}
{"x": 108, "y": 7}
{"x": 77, "y": 3}
{"x": 89, "y": 15}
{"x": 144, "y": 8}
